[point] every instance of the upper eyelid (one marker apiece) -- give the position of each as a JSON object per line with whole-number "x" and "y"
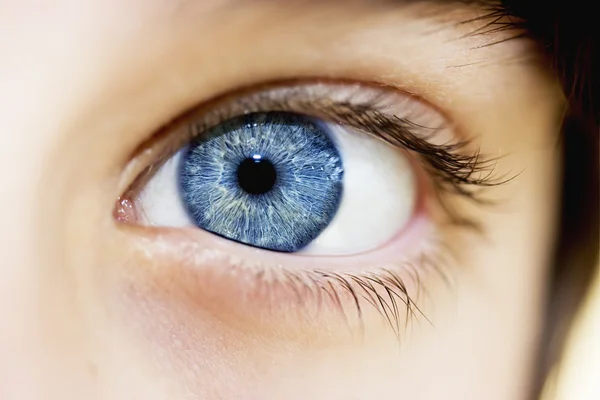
{"x": 363, "y": 106}
{"x": 288, "y": 95}
{"x": 298, "y": 94}
{"x": 291, "y": 95}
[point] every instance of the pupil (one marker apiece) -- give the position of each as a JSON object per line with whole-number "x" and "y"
{"x": 256, "y": 175}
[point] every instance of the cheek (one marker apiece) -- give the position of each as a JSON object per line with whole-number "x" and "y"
{"x": 189, "y": 347}
{"x": 192, "y": 348}
{"x": 195, "y": 352}
{"x": 163, "y": 325}
{"x": 176, "y": 342}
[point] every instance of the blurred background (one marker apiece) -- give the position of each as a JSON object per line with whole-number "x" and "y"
{"x": 579, "y": 376}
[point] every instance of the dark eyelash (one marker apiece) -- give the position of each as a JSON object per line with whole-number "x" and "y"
{"x": 455, "y": 170}
{"x": 385, "y": 290}
{"x": 461, "y": 171}
{"x": 455, "y": 167}
{"x": 450, "y": 162}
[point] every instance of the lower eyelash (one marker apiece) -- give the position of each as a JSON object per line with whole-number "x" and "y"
{"x": 385, "y": 290}
{"x": 394, "y": 291}
{"x": 369, "y": 287}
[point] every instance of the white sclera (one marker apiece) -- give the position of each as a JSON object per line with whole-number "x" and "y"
{"x": 160, "y": 202}
{"x": 378, "y": 197}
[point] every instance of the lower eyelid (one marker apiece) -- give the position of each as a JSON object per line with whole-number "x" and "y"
{"x": 248, "y": 286}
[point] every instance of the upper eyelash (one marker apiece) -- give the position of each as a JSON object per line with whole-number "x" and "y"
{"x": 451, "y": 162}
{"x": 455, "y": 170}
{"x": 455, "y": 167}
{"x": 447, "y": 161}
{"x": 458, "y": 167}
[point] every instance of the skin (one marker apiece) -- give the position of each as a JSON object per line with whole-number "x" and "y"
{"x": 89, "y": 309}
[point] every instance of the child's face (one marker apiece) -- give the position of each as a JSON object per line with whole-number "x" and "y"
{"x": 113, "y": 286}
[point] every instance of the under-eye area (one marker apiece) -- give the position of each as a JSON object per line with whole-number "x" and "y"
{"x": 337, "y": 190}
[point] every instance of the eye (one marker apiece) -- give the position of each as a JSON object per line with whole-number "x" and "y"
{"x": 286, "y": 182}
{"x": 360, "y": 177}
{"x": 321, "y": 169}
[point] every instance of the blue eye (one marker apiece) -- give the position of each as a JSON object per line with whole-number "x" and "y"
{"x": 271, "y": 180}
{"x": 285, "y": 182}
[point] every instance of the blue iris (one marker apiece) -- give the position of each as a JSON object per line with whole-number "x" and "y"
{"x": 271, "y": 180}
